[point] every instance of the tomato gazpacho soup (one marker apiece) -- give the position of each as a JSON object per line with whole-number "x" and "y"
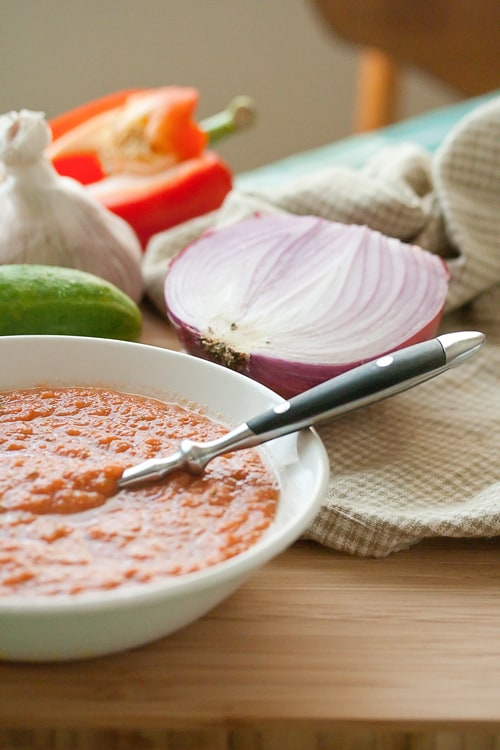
{"x": 66, "y": 528}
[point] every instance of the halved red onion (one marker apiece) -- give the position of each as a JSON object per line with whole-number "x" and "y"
{"x": 292, "y": 301}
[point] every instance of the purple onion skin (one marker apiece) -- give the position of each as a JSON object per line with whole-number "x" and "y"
{"x": 284, "y": 377}
{"x": 300, "y": 237}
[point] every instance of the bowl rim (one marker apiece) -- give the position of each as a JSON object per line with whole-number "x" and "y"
{"x": 239, "y": 566}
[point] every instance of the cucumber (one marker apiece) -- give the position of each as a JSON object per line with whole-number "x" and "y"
{"x": 38, "y": 299}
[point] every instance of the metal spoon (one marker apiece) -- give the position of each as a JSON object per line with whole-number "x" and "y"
{"x": 358, "y": 387}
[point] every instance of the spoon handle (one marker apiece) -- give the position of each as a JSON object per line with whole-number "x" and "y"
{"x": 358, "y": 387}
{"x": 373, "y": 381}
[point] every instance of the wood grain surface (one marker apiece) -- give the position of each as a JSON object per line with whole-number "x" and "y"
{"x": 313, "y": 637}
{"x": 317, "y": 648}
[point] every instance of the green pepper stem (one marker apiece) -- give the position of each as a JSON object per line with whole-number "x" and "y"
{"x": 238, "y": 115}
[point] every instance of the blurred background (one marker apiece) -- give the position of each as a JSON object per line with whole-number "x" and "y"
{"x": 57, "y": 54}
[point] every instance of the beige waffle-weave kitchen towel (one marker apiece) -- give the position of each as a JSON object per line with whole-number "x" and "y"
{"x": 424, "y": 463}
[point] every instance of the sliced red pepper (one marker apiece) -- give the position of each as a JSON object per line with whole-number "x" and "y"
{"x": 191, "y": 188}
{"x": 141, "y": 153}
{"x": 67, "y": 121}
{"x": 84, "y": 166}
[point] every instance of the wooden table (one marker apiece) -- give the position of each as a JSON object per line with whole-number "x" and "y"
{"x": 317, "y": 650}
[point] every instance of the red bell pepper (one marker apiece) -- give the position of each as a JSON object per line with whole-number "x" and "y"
{"x": 141, "y": 154}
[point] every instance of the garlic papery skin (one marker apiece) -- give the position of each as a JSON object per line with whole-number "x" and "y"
{"x": 52, "y": 220}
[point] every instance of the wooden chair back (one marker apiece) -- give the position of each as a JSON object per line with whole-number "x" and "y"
{"x": 456, "y": 41}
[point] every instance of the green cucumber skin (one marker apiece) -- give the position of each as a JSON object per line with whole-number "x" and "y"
{"x": 36, "y": 299}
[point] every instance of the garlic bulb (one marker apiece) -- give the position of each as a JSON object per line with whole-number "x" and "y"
{"x": 52, "y": 220}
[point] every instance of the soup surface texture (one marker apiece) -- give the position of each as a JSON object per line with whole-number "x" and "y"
{"x": 65, "y": 527}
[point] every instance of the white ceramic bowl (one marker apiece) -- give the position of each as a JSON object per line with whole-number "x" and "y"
{"x": 86, "y": 625}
